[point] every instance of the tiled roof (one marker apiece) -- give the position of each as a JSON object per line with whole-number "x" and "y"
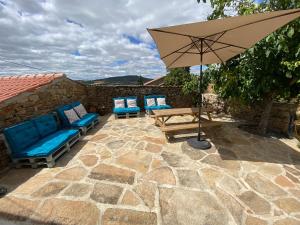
{"x": 11, "y": 86}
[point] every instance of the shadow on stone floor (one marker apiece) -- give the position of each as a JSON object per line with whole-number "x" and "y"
{"x": 21, "y": 178}
{"x": 15, "y": 178}
{"x": 243, "y": 146}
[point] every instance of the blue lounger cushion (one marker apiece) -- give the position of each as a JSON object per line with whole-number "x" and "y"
{"x": 21, "y": 136}
{"x": 45, "y": 124}
{"x": 47, "y": 145}
{"x": 126, "y": 110}
{"x": 86, "y": 120}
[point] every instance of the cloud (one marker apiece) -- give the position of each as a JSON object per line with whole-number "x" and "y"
{"x": 88, "y": 39}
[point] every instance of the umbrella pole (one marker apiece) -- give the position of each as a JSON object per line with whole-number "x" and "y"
{"x": 200, "y": 92}
{"x": 199, "y": 143}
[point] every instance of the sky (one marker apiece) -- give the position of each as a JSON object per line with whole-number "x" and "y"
{"x": 88, "y": 39}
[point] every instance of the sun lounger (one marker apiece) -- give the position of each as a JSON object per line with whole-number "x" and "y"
{"x": 83, "y": 122}
{"x": 126, "y": 107}
{"x": 155, "y": 102}
{"x": 38, "y": 141}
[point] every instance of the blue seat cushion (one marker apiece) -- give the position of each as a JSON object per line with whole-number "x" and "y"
{"x": 47, "y": 145}
{"x": 45, "y": 124}
{"x": 21, "y": 136}
{"x": 126, "y": 110}
{"x": 157, "y": 107}
{"x": 86, "y": 120}
{"x": 61, "y": 114}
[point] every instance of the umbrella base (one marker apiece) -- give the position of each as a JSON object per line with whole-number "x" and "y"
{"x": 201, "y": 145}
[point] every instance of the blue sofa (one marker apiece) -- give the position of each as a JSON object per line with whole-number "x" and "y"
{"x": 126, "y": 111}
{"x": 38, "y": 141}
{"x": 148, "y": 109}
{"x": 84, "y": 124}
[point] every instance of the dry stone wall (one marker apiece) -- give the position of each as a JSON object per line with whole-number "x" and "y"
{"x": 100, "y": 97}
{"x": 280, "y": 115}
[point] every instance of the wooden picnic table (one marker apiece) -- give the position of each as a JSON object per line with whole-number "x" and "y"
{"x": 163, "y": 115}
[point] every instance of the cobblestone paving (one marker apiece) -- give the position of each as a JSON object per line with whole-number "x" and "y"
{"x": 124, "y": 172}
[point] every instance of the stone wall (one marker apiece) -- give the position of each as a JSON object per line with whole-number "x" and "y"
{"x": 41, "y": 101}
{"x": 100, "y": 97}
{"x": 280, "y": 115}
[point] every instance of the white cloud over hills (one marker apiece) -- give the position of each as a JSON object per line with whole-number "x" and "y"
{"x": 88, "y": 39}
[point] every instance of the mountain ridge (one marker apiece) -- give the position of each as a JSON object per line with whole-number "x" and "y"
{"x": 119, "y": 80}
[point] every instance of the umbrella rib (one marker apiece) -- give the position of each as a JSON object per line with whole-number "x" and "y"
{"x": 215, "y": 40}
{"x": 179, "y": 56}
{"x": 224, "y": 43}
{"x": 196, "y": 53}
{"x": 196, "y": 44}
{"x": 262, "y": 20}
{"x": 214, "y": 52}
{"x": 176, "y": 51}
{"x": 169, "y": 32}
{"x": 217, "y": 49}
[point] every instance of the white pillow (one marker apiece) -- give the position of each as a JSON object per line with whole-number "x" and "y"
{"x": 71, "y": 115}
{"x": 119, "y": 103}
{"x": 161, "y": 101}
{"x": 150, "y": 101}
{"x": 81, "y": 111}
{"x": 131, "y": 103}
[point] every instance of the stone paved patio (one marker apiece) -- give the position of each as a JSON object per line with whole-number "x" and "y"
{"x": 124, "y": 172}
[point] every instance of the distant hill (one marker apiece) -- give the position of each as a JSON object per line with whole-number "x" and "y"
{"x": 121, "y": 80}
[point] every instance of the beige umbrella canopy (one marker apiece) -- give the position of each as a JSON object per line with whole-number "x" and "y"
{"x": 215, "y": 41}
{"x": 222, "y": 39}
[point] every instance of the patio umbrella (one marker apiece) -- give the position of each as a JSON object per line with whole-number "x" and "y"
{"x": 215, "y": 41}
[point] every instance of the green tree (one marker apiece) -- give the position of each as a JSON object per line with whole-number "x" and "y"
{"x": 191, "y": 87}
{"x": 177, "y": 76}
{"x": 270, "y": 70}
{"x": 181, "y": 77}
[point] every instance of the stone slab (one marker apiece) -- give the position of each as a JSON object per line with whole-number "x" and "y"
{"x": 128, "y": 217}
{"x": 106, "y": 193}
{"x": 112, "y": 173}
{"x": 67, "y": 212}
{"x": 184, "y": 207}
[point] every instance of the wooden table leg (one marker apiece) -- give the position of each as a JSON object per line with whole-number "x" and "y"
{"x": 209, "y": 116}
{"x": 159, "y": 122}
{"x": 168, "y": 118}
{"x": 196, "y": 117}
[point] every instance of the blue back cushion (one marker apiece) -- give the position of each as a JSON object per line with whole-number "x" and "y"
{"x": 153, "y": 96}
{"x": 21, "y": 136}
{"x": 45, "y": 124}
{"x": 74, "y": 104}
{"x": 60, "y": 112}
{"x": 125, "y": 100}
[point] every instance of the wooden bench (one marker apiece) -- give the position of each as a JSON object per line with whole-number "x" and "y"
{"x": 170, "y": 129}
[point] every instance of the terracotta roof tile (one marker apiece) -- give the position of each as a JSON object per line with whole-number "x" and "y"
{"x": 11, "y": 86}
